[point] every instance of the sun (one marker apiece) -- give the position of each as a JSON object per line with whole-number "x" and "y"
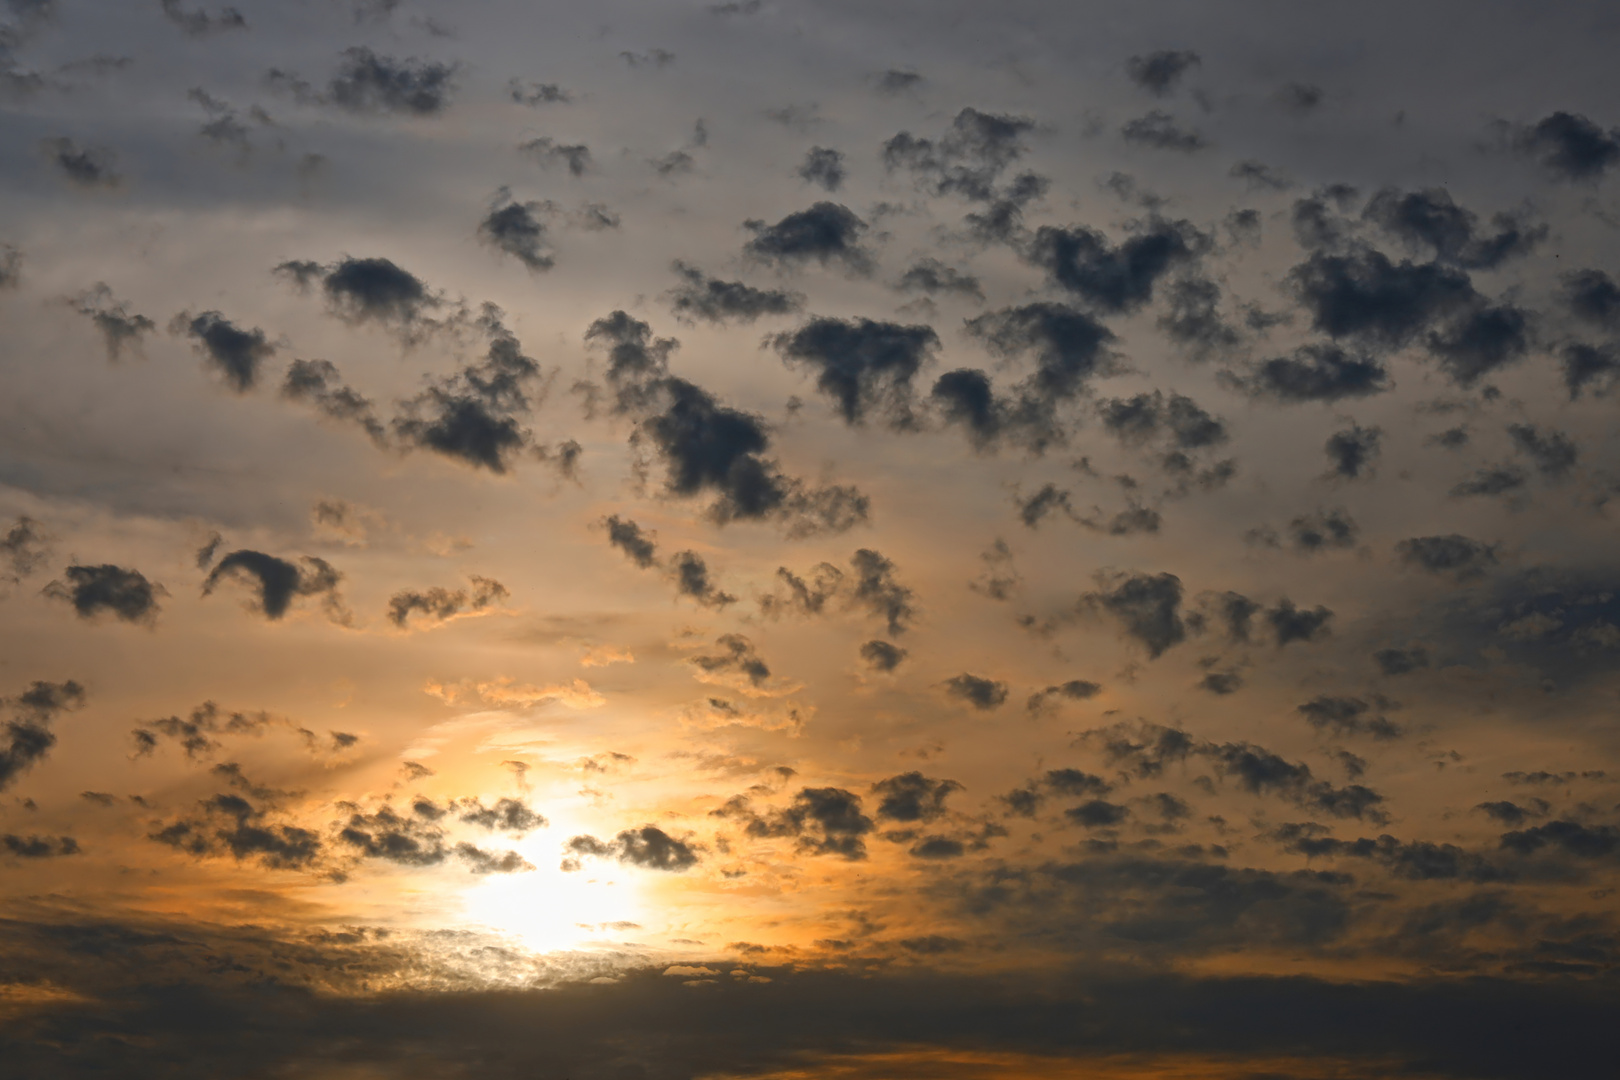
{"x": 549, "y": 910}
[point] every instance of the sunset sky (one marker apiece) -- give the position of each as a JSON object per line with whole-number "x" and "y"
{"x": 809, "y": 539}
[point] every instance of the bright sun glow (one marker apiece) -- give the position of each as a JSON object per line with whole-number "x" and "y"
{"x": 548, "y": 910}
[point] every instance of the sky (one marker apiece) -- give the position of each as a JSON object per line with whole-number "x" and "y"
{"x": 805, "y": 539}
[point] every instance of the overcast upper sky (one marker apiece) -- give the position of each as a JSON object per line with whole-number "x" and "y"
{"x": 793, "y": 538}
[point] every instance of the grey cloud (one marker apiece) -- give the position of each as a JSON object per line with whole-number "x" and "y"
{"x": 1349, "y": 716}
{"x": 1148, "y": 608}
{"x": 882, "y": 656}
{"x": 1115, "y": 278}
{"x": 199, "y": 22}
{"x": 1569, "y": 146}
{"x": 548, "y": 151}
{"x": 319, "y": 383}
{"x": 11, "y": 261}
{"x": 93, "y": 590}
{"x": 507, "y": 815}
{"x": 385, "y": 834}
{"x": 968, "y": 159}
{"x": 1073, "y": 690}
{"x": 896, "y": 81}
{"x": 825, "y": 233}
{"x": 538, "y": 93}
{"x": 648, "y": 847}
{"x": 1490, "y": 481}
{"x": 1326, "y": 373}
{"x": 25, "y": 547}
{"x": 913, "y": 797}
{"x": 198, "y": 733}
{"x": 86, "y": 166}
{"x": 438, "y": 604}
{"x": 691, "y": 574}
{"x": 825, "y": 821}
{"x": 699, "y": 296}
{"x": 823, "y": 167}
{"x": 634, "y": 541}
{"x": 1484, "y": 340}
{"x": 374, "y": 290}
{"x": 1552, "y": 451}
{"x": 1178, "y": 419}
{"x": 654, "y": 58}
{"x": 119, "y": 327}
{"x": 1290, "y": 624}
{"x": 516, "y": 229}
{"x": 1259, "y": 176}
{"x": 367, "y": 82}
{"x": 981, "y": 693}
{"x": 278, "y": 582}
{"x": 1353, "y": 451}
{"x": 1363, "y": 296}
{"x": 865, "y": 367}
{"x": 235, "y": 353}
{"x": 736, "y": 656}
{"x": 1159, "y": 72}
{"x": 1592, "y": 297}
{"x": 1596, "y": 366}
{"x": 1097, "y": 814}
{"x": 1323, "y": 531}
{"x": 1194, "y": 319}
{"x": 1299, "y": 97}
{"x": 879, "y": 593}
{"x": 1459, "y": 557}
{"x": 930, "y": 276}
{"x": 27, "y": 737}
{"x": 1430, "y": 219}
{"x": 1158, "y": 130}
{"x": 480, "y": 861}
{"x": 39, "y": 847}
{"x": 230, "y": 824}
{"x": 1402, "y": 661}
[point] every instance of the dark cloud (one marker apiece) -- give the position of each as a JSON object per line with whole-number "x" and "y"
{"x": 1115, "y": 278}
{"x": 1325, "y": 530}
{"x": 1159, "y": 72}
{"x": 538, "y": 93}
{"x": 1590, "y": 365}
{"x": 654, "y": 58}
{"x": 27, "y": 737}
{"x": 631, "y": 539}
{"x": 367, "y": 82}
{"x": 92, "y": 590}
{"x": 473, "y": 415}
{"x": 865, "y": 367}
{"x": 507, "y": 815}
{"x": 675, "y": 163}
{"x": 825, "y": 821}
{"x": 229, "y": 824}
{"x": 387, "y": 835}
{"x": 318, "y": 383}
{"x": 278, "y": 582}
{"x": 913, "y": 797}
{"x": 737, "y": 656}
{"x": 1402, "y": 661}
{"x": 1491, "y": 481}
{"x": 1097, "y": 814}
{"x": 1552, "y": 452}
{"x": 1146, "y": 749}
{"x": 199, "y": 22}
{"x": 86, "y": 166}
{"x": 736, "y": 7}
{"x": 24, "y": 548}
{"x": 1416, "y": 860}
{"x": 1290, "y": 624}
{"x": 1319, "y": 219}
{"x": 1299, "y": 97}
{"x": 1258, "y": 176}
{"x": 648, "y": 847}
{"x": 516, "y": 229}
{"x": 480, "y": 861}
{"x": 1592, "y": 297}
{"x": 1158, "y": 130}
{"x": 1482, "y": 341}
{"x": 979, "y": 692}
{"x": 876, "y": 590}
{"x": 235, "y": 353}
{"x": 1073, "y": 690}
{"x": 930, "y": 276}
{"x": 1365, "y": 297}
{"x": 691, "y": 574}
{"x": 548, "y": 152}
{"x": 1349, "y": 716}
{"x": 373, "y": 290}
{"x": 1353, "y": 451}
{"x": 967, "y": 159}
{"x": 1221, "y": 682}
{"x": 119, "y": 327}
{"x": 823, "y": 167}
{"x": 1002, "y": 219}
{"x": 1570, "y": 837}
{"x": 1458, "y": 557}
{"x": 699, "y": 296}
{"x": 1430, "y": 220}
{"x": 1179, "y": 420}
{"x": 1326, "y": 373}
{"x": 1148, "y": 607}
{"x": 825, "y": 233}
{"x": 1512, "y": 814}
{"x": 198, "y": 733}
{"x": 895, "y": 81}
{"x": 882, "y": 656}
{"x": 10, "y": 267}
{"x": 39, "y": 847}
{"x": 1194, "y": 319}
{"x": 1569, "y": 146}
{"x": 708, "y": 447}
{"x": 438, "y": 604}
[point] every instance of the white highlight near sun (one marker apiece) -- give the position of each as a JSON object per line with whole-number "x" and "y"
{"x": 548, "y": 910}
